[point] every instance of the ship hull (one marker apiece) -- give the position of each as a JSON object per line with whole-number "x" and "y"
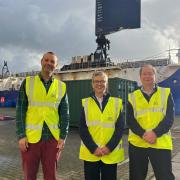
{"x": 173, "y": 82}
{"x": 8, "y": 98}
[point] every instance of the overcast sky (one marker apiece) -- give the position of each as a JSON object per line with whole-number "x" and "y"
{"x": 28, "y": 28}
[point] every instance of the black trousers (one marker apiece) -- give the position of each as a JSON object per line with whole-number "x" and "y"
{"x": 160, "y": 160}
{"x": 100, "y": 171}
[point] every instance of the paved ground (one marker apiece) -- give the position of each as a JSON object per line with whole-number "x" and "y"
{"x": 69, "y": 167}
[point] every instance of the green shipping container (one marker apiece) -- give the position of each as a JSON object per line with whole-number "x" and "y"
{"x": 78, "y": 89}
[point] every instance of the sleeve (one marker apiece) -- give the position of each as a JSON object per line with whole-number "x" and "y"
{"x": 63, "y": 111}
{"x": 21, "y": 109}
{"x": 117, "y": 135}
{"x": 132, "y": 122}
{"x": 85, "y": 135}
{"x": 164, "y": 126}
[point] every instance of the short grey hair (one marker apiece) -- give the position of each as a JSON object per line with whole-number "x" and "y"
{"x": 147, "y": 65}
{"x": 100, "y": 73}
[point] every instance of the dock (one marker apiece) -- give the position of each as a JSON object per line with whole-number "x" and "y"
{"x": 69, "y": 166}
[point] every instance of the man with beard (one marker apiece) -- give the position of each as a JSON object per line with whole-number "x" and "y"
{"x": 42, "y": 120}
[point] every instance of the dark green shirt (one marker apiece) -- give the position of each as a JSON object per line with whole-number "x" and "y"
{"x": 22, "y": 106}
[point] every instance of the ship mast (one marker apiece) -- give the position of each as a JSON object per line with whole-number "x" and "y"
{"x": 5, "y": 70}
{"x": 169, "y": 55}
{"x": 178, "y": 55}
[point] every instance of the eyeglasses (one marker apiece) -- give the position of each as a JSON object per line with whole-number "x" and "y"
{"x": 148, "y": 74}
{"x": 99, "y": 82}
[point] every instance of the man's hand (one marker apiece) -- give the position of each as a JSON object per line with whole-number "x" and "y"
{"x": 61, "y": 144}
{"x": 23, "y": 144}
{"x": 98, "y": 152}
{"x": 150, "y": 137}
{"x": 105, "y": 150}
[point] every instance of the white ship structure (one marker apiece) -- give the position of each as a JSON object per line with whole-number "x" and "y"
{"x": 82, "y": 67}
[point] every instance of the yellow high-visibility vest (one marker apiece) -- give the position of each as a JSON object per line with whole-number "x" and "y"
{"x": 149, "y": 115}
{"x": 42, "y": 107}
{"x": 101, "y": 126}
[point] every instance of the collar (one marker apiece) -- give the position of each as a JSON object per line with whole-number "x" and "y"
{"x": 105, "y": 96}
{"x": 41, "y": 78}
{"x": 154, "y": 89}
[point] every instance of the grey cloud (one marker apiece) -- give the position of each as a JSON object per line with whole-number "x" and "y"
{"x": 30, "y": 28}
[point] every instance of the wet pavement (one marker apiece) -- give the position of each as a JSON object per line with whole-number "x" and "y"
{"x": 69, "y": 166}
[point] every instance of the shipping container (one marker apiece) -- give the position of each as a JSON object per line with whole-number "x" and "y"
{"x": 78, "y": 89}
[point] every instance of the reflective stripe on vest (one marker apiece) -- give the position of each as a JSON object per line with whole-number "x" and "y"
{"x": 97, "y": 122}
{"x": 149, "y": 116}
{"x": 152, "y": 109}
{"x": 47, "y": 104}
{"x": 101, "y": 126}
{"x": 43, "y": 107}
{"x": 38, "y": 127}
